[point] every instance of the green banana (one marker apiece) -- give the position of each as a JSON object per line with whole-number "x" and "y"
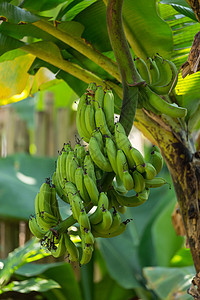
{"x": 153, "y": 70}
{"x": 98, "y": 157}
{"x": 128, "y": 180}
{"x": 80, "y": 154}
{"x": 155, "y": 182}
{"x": 103, "y": 203}
{"x": 116, "y": 221}
{"x": 36, "y": 230}
{"x": 101, "y": 123}
{"x": 134, "y": 200}
{"x": 124, "y": 144}
{"x": 59, "y": 189}
{"x": 76, "y": 206}
{"x": 90, "y": 118}
{"x": 73, "y": 165}
{"x": 80, "y": 119}
{"x": 108, "y": 234}
{"x": 164, "y": 107}
{"x": 108, "y": 108}
{"x": 91, "y": 189}
{"x": 143, "y": 69}
{"x": 60, "y": 249}
{"x": 150, "y": 171}
{"x": 89, "y": 166}
{"x": 87, "y": 254}
{"x": 138, "y": 159}
{"x": 98, "y": 136}
{"x": 70, "y": 189}
{"x": 120, "y": 208}
{"x": 106, "y": 222}
{"x": 79, "y": 181}
{"x": 68, "y": 162}
{"x": 98, "y": 98}
{"x": 72, "y": 250}
{"x": 84, "y": 221}
{"x": 157, "y": 161}
{"x": 122, "y": 164}
{"x": 112, "y": 154}
{"x": 139, "y": 183}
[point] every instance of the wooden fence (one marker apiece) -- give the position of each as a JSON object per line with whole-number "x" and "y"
{"x": 53, "y": 127}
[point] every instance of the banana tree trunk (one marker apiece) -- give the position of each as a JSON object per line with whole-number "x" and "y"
{"x": 184, "y": 166}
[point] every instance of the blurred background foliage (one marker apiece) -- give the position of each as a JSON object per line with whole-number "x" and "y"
{"x": 149, "y": 261}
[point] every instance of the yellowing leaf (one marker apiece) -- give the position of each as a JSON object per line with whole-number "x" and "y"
{"x": 14, "y": 76}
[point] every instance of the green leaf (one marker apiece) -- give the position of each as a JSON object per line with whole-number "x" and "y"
{"x": 14, "y": 14}
{"x": 41, "y": 5}
{"x": 8, "y": 43}
{"x": 20, "y": 178}
{"x": 76, "y": 9}
{"x": 11, "y": 55}
{"x": 165, "y": 240}
{"x": 170, "y": 283}
{"x": 30, "y": 285}
{"x": 182, "y": 258}
{"x": 108, "y": 289}
{"x": 182, "y": 7}
{"x": 31, "y": 251}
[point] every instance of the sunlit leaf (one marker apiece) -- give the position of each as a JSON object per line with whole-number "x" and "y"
{"x": 31, "y": 251}
{"x": 182, "y": 258}
{"x": 182, "y": 7}
{"x": 30, "y": 285}
{"x": 14, "y": 76}
{"x": 41, "y": 5}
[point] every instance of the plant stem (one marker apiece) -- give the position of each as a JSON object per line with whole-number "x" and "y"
{"x": 81, "y": 46}
{"x": 129, "y": 75}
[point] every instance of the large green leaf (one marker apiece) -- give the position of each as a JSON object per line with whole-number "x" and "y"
{"x": 15, "y": 14}
{"x": 182, "y": 7}
{"x": 34, "y": 284}
{"x": 149, "y": 32}
{"x": 8, "y": 43}
{"x": 21, "y": 176}
{"x": 165, "y": 240}
{"x": 170, "y": 283}
{"x": 31, "y": 251}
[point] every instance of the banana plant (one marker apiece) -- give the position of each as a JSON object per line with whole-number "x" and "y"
{"x": 95, "y": 41}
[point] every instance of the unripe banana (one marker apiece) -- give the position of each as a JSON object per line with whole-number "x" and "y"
{"x": 124, "y": 144}
{"x": 80, "y": 154}
{"x": 36, "y": 230}
{"x": 138, "y": 159}
{"x": 70, "y": 189}
{"x": 101, "y": 122}
{"x": 164, "y": 107}
{"x": 132, "y": 201}
{"x": 108, "y": 108}
{"x": 90, "y": 119}
{"x": 84, "y": 221}
{"x": 54, "y": 204}
{"x": 60, "y": 249}
{"x": 76, "y": 206}
{"x": 79, "y": 180}
{"x": 74, "y": 164}
{"x": 80, "y": 119}
{"x": 153, "y": 70}
{"x": 89, "y": 166}
{"x": 61, "y": 167}
{"x": 155, "y": 182}
{"x": 143, "y": 69}
{"x": 72, "y": 250}
{"x": 59, "y": 190}
{"x": 108, "y": 234}
{"x": 68, "y": 162}
{"x": 98, "y": 136}
{"x": 88, "y": 237}
{"x": 120, "y": 208}
{"x": 87, "y": 254}
{"x": 103, "y": 203}
{"x": 157, "y": 161}
{"x": 45, "y": 198}
{"x": 98, "y": 98}
{"x": 122, "y": 164}
{"x": 128, "y": 180}
{"x": 98, "y": 157}
{"x": 91, "y": 189}
{"x": 139, "y": 183}
{"x": 150, "y": 171}
{"x": 106, "y": 222}
{"x": 112, "y": 154}
{"x": 116, "y": 221}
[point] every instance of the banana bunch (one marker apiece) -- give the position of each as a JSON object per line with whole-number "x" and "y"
{"x": 80, "y": 177}
{"x": 161, "y": 78}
